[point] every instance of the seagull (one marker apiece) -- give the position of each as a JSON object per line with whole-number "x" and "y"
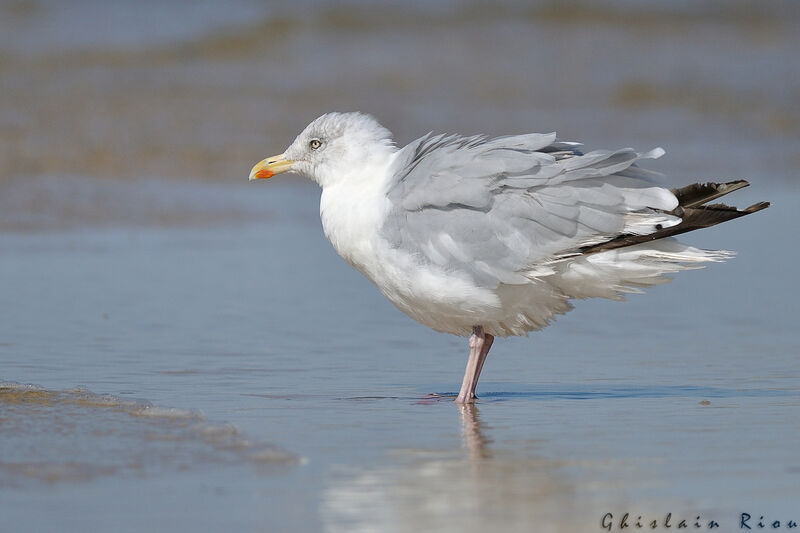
{"x": 495, "y": 236}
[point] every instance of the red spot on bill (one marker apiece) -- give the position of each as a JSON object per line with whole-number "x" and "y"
{"x": 264, "y": 173}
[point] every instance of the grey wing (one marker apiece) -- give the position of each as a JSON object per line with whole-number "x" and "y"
{"x": 501, "y": 209}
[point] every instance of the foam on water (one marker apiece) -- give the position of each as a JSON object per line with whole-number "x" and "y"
{"x": 80, "y": 436}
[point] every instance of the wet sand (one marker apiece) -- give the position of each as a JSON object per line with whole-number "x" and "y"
{"x": 124, "y": 97}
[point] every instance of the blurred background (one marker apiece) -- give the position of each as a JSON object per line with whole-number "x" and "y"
{"x": 182, "y": 350}
{"x": 99, "y": 93}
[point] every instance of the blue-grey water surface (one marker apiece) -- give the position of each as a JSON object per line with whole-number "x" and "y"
{"x": 681, "y": 400}
{"x": 181, "y": 350}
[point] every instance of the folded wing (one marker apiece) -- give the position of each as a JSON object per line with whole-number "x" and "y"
{"x": 502, "y": 209}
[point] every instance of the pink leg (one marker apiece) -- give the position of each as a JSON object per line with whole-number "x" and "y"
{"x": 487, "y": 345}
{"x": 479, "y": 344}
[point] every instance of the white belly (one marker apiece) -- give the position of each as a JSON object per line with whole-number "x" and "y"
{"x": 450, "y": 301}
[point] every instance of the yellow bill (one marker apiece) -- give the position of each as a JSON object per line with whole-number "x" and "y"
{"x": 270, "y": 166}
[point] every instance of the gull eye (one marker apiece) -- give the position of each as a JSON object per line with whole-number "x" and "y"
{"x": 315, "y": 143}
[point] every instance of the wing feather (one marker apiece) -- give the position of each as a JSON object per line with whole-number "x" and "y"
{"x": 499, "y": 208}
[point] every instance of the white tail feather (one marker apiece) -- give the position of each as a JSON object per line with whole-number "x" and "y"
{"x": 627, "y": 270}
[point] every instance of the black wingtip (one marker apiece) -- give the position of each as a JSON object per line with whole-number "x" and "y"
{"x": 756, "y": 207}
{"x": 693, "y": 218}
{"x": 698, "y": 194}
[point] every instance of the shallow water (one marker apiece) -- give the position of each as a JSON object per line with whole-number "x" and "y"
{"x": 683, "y": 400}
{"x": 283, "y": 392}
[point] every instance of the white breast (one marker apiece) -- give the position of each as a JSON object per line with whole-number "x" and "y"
{"x": 352, "y": 217}
{"x": 352, "y": 214}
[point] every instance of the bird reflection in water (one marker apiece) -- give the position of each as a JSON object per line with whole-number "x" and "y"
{"x": 473, "y": 432}
{"x": 478, "y": 486}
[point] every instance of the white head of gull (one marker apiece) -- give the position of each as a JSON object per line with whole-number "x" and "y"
{"x": 486, "y": 237}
